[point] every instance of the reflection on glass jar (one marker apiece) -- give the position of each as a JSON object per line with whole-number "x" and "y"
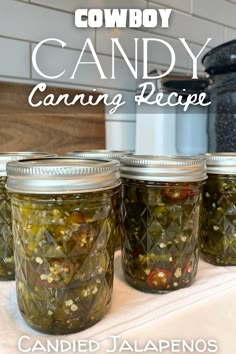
{"x": 64, "y": 259}
{"x": 65, "y": 250}
{"x": 161, "y": 226}
{"x": 104, "y": 155}
{"x": 218, "y": 232}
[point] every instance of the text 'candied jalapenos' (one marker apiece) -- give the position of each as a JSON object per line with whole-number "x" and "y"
{"x": 64, "y": 242}
{"x": 160, "y": 221}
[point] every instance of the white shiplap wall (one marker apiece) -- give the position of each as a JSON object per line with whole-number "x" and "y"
{"x": 23, "y": 23}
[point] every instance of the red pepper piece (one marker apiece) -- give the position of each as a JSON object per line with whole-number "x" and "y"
{"x": 137, "y": 251}
{"x": 76, "y": 218}
{"x": 179, "y": 193}
{"x": 159, "y": 279}
{"x": 187, "y": 268}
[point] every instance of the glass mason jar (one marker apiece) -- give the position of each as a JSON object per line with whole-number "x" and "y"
{"x": 64, "y": 216}
{"x": 220, "y": 64}
{"x": 218, "y": 231}
{"x": 104, "y": 155}
{"x": 7, "y": 267}
{"x": 160, "y": 219}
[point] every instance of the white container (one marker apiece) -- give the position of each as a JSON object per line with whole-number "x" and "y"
{"x": 191, "y": 130}
{"x": 169, "y": 130}
{"x": 156, "y": 130}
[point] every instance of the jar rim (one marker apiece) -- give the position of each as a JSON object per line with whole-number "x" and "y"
{"x": 221, "y": 59}
{"x": 98, "y": 154}
{"x": 221, "y": 163}
{"x": 218, "y": 48}
{"x": 164, "y": 168}
{"x": 6, "y": 157}
{"x": 62, "y": 175}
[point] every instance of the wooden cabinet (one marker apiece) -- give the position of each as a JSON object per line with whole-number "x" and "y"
{"x": 54, "y": 129}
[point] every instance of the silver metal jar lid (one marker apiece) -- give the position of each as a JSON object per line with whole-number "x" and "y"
{"x": 98, "y": 154}
{"x": 6, "y": 157}
{"x": 61, "y": 175}
{"x": 164, "y": 168}
{"x": 221, "y": 163}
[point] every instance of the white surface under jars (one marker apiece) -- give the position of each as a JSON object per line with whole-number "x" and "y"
{"x": 204, "y": 311}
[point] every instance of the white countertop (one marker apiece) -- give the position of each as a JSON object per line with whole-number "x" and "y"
{"x": 205, "y": 311}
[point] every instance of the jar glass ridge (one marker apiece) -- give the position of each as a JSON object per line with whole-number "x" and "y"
{"x": 104, "y": 154}
{"x": 64, "y": 241}
{"x": 218, "y": 231}
{"x": 160, "y": 221}
{"x": 7, "y": 266}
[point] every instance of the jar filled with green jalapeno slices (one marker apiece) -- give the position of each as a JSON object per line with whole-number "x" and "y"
{"x": 218, "y": 231}
{"x": 64, "y": 217}
{"x": 7, "y": 267}
{"x": 104, "y": 155}
{"x": 160, "y": 221}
